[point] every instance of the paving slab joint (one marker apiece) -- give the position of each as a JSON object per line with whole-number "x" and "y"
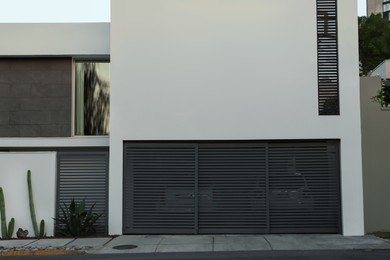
{"x": 94, "y": 249}
{"x": 107, "y": 242}
{"x": 384, "y": 239}
{"x": 70, "y": 242}
{"x": 270, "y": 246}
{"x": 159, "y": 243}
{"x": 31, "y": 242}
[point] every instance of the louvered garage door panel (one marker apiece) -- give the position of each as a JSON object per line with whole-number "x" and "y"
{"x": 159, "y": 188}
{"x": 304, "y": 188}
{"x": 232, "y": 188}
{"x": 84, "y": 175}
{"x": 237, "y": 187}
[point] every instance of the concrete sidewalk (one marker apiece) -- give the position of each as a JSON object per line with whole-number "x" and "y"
{"x": 200, "y": 243}
{"x": 210, "y": 243}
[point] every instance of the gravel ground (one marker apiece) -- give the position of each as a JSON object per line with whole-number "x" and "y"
{"x": 36, "y": 248}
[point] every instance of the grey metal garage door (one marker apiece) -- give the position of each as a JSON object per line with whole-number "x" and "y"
{"x": 235, "y": 187}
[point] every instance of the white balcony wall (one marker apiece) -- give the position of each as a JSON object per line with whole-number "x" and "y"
{"x": 13, "y": 180}
{"x": 60, "y": 39}
{"x": 77, "y": 40}
{"x": 229, "y": 70}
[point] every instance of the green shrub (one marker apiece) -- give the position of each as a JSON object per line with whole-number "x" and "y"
{"x": 382, "y": 234}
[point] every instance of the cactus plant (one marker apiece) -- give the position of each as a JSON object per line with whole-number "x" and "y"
{"x": 41, "y": 231}
{"x": 2, "y": 213}
{"x": 5, "y": 233}
{"x": 11, "y": 226}
{"x": 42, "y": 228}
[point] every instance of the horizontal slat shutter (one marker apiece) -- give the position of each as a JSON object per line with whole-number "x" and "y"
{"x": 232, "y": 188}
{"x": 159, "y": 188}
{"x": 327, "y": 48}
{"x": 84, "y": 175}
{"x": 304, "y": 188}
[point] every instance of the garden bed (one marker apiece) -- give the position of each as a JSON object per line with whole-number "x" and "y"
{"x": 382, "y": 234}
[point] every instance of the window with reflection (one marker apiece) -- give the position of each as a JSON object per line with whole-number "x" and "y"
{"x": 92, "y": 98}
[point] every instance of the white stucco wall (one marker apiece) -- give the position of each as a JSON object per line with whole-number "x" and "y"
{"x": 229, "y": 70}
{"x": 349, "y": 127}
{"x": 13, "y": 180}
{"x": 42, "y": 39}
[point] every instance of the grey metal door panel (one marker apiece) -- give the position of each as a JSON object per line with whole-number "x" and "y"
{"x": 236, "y": 187}
{"x": 84, "y": 175}
{"x": 159, "y": 188}
{"x": 304, "y": 188}
{"x": 232, "y": 188}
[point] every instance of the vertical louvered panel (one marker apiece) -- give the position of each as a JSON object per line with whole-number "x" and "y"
{"x": 304, "y": 188}
{"x": 232, "y": 188}
{"x": 159, "y": 188}
{"x": 84, "y": 175}
{"x": 327, "y": 48}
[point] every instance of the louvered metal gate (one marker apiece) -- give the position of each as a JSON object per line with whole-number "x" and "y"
{"x": 237, "y": 187}
{"x": 84, "y": 175}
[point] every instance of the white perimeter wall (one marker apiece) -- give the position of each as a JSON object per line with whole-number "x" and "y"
{"x": 13, "y": 180}
{"x": 229, "y": 70}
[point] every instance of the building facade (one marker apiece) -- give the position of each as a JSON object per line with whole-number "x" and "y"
{"x": 382, "y": 70}
{"x": 386, "y": 9}
{"x": 206, "y": 133}
{"x": 215, "y": 134}
{"x": 379, "y": 7}
{"x": 38, "y": 120}
{"x": 374, "y": 7}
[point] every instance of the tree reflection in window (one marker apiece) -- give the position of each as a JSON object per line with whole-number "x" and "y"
{"x": 92, "y": 109}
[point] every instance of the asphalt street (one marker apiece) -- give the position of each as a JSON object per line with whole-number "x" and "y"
{"x": 243, "y": 255}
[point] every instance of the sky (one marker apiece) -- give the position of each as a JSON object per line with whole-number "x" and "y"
{"x": 362, "y": 9}
{"x": 59, "y": 11}
{"x": 56, "y": 11}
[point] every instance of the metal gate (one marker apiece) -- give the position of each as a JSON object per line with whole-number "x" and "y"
{"x": 235, "y": 187}
{"x": 84, "y": 176}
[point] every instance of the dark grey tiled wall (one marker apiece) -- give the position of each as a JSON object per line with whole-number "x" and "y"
{"x": 35, "y": 97}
